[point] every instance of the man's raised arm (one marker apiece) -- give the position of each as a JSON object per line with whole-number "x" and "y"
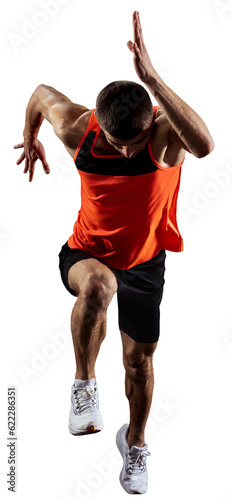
{"x": 47, "y": 102}
{"x": 187, "y": 129}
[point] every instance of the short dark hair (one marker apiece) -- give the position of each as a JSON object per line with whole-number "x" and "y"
{"x": 124, "y": 109}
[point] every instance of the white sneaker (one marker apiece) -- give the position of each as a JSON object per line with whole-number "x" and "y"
{"x": 85, "y": 417}
{"x": 133, "y": 476}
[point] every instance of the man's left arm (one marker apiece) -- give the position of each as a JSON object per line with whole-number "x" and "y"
{"x": 187, "y": 129}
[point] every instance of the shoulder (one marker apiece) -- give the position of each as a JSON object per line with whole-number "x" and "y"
{"x": 166, "y": 154}
{"x": 78, "y": 120}
{"x": 75, "y": 128}
{"x": 159, "y": 112}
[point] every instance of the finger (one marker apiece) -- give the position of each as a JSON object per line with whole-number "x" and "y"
{"x": 31, "y": 170}
{"x": 138, "y": 30}
{"x": 135, "y": 27}
{"x": 136, "y": 48}
{"x": 130, "y": 45}
{"x": 21, "y": 158}
{"x": 26, "y": 166}
{"x": 19, "y": 145}
{"x": 133, "y": 48}
{"x": 46, "y": 168}
{"x": 42, "y": 158}
{"x": 40, "y": 154}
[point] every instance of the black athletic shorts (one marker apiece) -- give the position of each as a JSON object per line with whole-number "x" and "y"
{"x": 139, "y": 294}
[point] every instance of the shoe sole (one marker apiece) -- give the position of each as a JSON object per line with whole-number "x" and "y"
{"x": 90, "y": 430}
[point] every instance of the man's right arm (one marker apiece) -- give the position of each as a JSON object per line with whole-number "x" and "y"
{"x": 50, "y": 104}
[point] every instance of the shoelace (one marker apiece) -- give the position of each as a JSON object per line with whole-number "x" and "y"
{"x": 85, "y": 398}
{"x": 137, "y": 463}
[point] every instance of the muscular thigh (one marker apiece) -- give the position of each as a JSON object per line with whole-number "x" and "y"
{"x": 87, "y": 271}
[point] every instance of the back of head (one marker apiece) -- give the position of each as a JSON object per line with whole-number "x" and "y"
{"x": 124, "y": 109}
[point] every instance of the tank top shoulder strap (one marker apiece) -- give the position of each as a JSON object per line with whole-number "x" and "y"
{"x": 155, "y": 109}
{"x": 92, "y": 125}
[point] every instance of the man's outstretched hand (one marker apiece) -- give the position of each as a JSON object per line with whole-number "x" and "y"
{"x": 142, "y": 62}
{"x": 33, "y": 150}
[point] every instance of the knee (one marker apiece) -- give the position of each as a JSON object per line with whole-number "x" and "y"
{"x": 138, "y": 359}
{"x": 98, "y": 291}
{"x": 138, "y": 369}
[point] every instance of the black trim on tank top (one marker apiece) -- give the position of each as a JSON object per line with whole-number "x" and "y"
{"x": 86, "y": 162}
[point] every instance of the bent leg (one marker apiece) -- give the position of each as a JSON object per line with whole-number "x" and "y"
{"x": 139, "y": 384}
{"x": 94, "y": 284}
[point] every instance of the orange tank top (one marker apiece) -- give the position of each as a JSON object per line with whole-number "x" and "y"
{"x": 128, "y": 205}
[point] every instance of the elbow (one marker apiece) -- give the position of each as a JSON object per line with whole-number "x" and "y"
{"x": 40, "y": 86}
{"x": 206, "y": 149}
{"x": 39, "y": 89}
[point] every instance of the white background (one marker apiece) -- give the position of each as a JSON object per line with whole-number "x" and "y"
{"x": 80, "y": 48}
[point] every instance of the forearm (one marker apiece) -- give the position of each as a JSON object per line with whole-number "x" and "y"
{"x": 185, "y": 121}
{"x": 34, "y": 117}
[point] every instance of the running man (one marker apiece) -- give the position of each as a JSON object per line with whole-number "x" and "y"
{"x": 129, "y": 155}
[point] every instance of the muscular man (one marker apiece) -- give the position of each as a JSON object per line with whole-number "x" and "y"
{"x": 129, "y": 155}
